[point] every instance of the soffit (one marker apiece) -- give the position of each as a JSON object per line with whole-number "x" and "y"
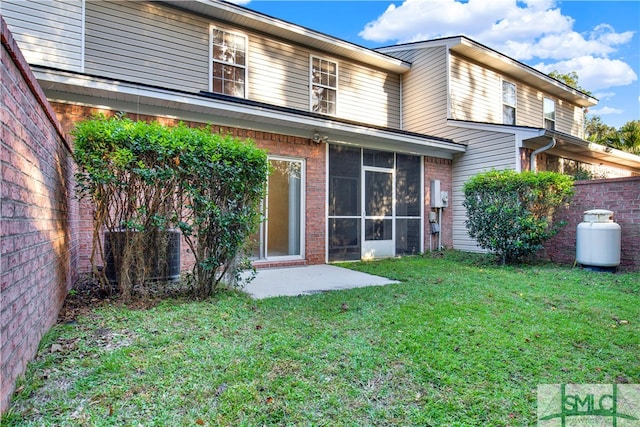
{"x": 243, "y": 17}
{"x": 579, "y": 149}
{"x": 523, "y": 73}
{"x": 567, "y": 146}
{"x": 480, "y": 54}
{"x": 66, "y": 87}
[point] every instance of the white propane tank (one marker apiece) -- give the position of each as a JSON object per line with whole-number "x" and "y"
{"x": 598, "y": 239}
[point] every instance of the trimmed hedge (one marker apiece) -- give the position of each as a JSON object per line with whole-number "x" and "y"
{"x": 511, "y": 213}
{"x": 146, "y": 178}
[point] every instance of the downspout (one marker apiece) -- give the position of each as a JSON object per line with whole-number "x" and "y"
{"x": 549, "y": 146}
{"x": 401, "y": 102}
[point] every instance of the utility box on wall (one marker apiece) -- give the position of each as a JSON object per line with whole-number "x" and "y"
{"x": 444, "y": 199}
{"x": 439, "y": 199}
{"x": 436, "y": 199}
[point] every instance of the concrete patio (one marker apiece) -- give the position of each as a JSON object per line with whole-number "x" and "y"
{"x": 311, "y": 279}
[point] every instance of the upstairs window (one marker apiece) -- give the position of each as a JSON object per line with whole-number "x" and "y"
{"x": 228, "y": 63}
{"x": 324, "y": 86}
{"x": 549, "y": 113}
{"x": 508, "y": 103}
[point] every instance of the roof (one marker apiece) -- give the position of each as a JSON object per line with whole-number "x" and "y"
{"x": 566, "y": 145}
{"x": 484, "y": 55}
{"x": 259, "y": 22}
{"x": 581, "y": 148}
{"x": 204, "y": 107}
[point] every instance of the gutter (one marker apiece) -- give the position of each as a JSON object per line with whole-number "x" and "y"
{"x": 119, "y": 95}
{"x": 549, "y": 146}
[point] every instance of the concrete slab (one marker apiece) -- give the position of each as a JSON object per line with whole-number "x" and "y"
{"x": 311, "y": 279}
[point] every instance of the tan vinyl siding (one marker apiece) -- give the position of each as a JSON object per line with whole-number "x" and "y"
{"x": 278, "y": 73}
{"x": 569, "y": 118}
{"x": 486, "y": 150}
{"x": 48, "y": 33}
{"x": 529, "y": 106}
{"x": 147, "y": 43}
{"x": 476, "y": 95}
{"x": 368, "y": 95}
{"x": 476, "y": 92}
{"x": 155, "y": 44}
{"x": 425, "y": 91}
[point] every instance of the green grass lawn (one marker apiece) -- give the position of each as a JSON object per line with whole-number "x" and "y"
{"x": 459, "y": 342}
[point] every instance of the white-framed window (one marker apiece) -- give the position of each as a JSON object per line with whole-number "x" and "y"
{"x": 281, "y": 236}
{"x": 508, "y": 103}
{"x": 228, "y": 52}
{"x": 549, "y": 113}
{"x": 323, "y": 85}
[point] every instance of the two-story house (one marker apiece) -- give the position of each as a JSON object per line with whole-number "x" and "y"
{"x": 358, "y": 139}
{"x": 507, "y": 114}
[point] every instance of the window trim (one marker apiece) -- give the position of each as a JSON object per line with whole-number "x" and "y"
{"x": 503, "y": 103}
{"x": 311, "y": 84}
{"x": 245, "y": 67}
{"x": 544, "y": 113}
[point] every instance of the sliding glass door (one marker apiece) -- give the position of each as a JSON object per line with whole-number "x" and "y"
{"x": 281, "y": 235}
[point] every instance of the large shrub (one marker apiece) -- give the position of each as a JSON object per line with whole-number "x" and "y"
{"x": 146, "y": 178}
{"x": 511, "y": 213}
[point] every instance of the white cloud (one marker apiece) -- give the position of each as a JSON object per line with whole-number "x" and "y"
{"x": 607, "y": 34}
{"x": 537, "y": 29}
{"x": 594, "y": 73}
{"x": 558, "y": 46}
{"x": 418, "y": 19}
{"x": 525, "y": 30}
{"x": 486, "y": 21}
{"x": 605, "y": 111}
{"x": 604, "y": 95}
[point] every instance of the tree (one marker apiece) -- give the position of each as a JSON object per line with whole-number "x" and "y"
{"x": 511, "y": 213}
{"x": 570, "y": 79}
{"x": 627, "y": 138}
{"x": 145, "y": 179}
{"x": 597, "y": 131}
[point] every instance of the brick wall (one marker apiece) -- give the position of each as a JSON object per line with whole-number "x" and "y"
{"x": 436, "y": 168}
{"x": 620, "y": 195}
{"x": 38, "y": 222}
{"x": 275, "y": 144}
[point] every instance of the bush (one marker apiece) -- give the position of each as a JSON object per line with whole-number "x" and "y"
{"x": 145, "y": 178}
{"x": 511, "y": 213}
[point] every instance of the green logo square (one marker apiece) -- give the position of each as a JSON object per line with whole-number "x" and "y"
{"x": 598, "y": 405}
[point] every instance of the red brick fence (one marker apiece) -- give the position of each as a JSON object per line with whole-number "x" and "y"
{"x": 38, "y": 222}
{"x": 620, "y": 195}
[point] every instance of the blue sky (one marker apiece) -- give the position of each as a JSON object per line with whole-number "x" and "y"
{"x": 599, "y": 40}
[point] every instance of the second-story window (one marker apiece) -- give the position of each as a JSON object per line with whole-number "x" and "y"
{"x": 228, "y": 63}
{"x": 324, "y": 86}
{"x": 549, "y": 113}
{"x": 508, "y": 103}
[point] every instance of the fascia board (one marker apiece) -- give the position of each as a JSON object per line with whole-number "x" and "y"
{"x": 239, "y": 15}
{"x": 65, "y": 87}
